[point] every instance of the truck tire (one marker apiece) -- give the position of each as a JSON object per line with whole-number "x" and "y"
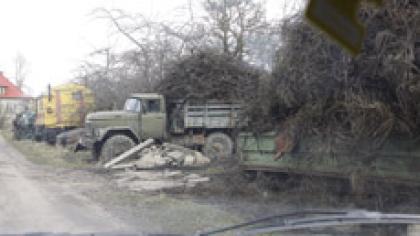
{"x": 96, "y": 151}
{"x": 51, "y": 136}
{"x": 38, "y": 134}
{"x": 114, "y": 146}
{"x": 17, "y": 134}
{"x": 218, "y": 146}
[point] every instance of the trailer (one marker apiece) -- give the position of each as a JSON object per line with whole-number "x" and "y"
{"x": 397, "y": 161}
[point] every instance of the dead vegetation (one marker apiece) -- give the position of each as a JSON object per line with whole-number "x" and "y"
{"x": 209, "y": 75}
{"x": 360, "y": 101}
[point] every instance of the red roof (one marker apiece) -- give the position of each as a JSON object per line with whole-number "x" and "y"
{"x": 11, "y": 90}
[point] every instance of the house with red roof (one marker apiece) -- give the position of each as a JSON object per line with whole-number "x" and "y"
{"x": 12, "y": 99}
{"x": 8, "y": 90}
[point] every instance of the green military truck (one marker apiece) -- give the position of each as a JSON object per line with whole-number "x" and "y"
{"x": 207, "y": 125}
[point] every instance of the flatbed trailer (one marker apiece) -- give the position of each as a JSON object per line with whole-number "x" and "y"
{"x": 398, "y": 161}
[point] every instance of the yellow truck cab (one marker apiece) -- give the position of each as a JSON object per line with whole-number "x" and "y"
{"x": 62, "y": 108}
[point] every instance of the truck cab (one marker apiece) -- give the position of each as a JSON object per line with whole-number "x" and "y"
{"x": 62, "y": 108}
{"x": 143, "y": 116}
{"x": 151, "y": 115}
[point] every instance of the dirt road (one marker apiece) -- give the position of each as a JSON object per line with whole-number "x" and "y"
{"x": 41, "y": 197}
{"x": 30, "y": 205}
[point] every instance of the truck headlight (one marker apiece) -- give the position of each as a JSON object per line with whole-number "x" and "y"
{"x": 98, "y": 132}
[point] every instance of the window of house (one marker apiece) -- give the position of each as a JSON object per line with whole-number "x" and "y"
{"x": 2, "y": 90}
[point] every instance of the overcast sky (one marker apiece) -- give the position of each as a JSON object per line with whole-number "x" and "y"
{"x": 55, "y": 36}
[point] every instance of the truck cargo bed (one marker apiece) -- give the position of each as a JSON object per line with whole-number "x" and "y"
{"x": 211, "y": 116}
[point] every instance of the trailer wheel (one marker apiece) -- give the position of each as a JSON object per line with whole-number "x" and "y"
{"x": 250, "y": 175}
{"x": 218, "y": 146}
{"x": 115, "y": 146}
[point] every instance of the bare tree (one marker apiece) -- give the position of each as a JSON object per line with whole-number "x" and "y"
{"x": 190, "y": 35}
{"x": 153, "y": 45}
{"x": 232, "y": 21}
{"x": 21, "y": 69}
{"x": 158, "y": 44}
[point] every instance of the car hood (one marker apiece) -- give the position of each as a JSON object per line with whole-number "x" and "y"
{"x": 107, "y": 115}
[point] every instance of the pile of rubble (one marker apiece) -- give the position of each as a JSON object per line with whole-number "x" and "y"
{"x": 150, "y": 168}
{"x": 157, "y": 181}
{"x": 149, "y": 156}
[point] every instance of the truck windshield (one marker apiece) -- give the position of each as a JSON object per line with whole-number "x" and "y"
{"x": 132, "y": 105}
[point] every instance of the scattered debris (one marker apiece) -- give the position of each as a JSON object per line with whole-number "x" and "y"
{"x": 155, "y": 181}
{"x": 129, "y": 153}
{"x": 158, "y": 157}
{"x": 144, "y": 172}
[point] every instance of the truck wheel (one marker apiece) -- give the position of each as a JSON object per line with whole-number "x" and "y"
{"x": 51, "y": 136}
{"x": 218, "y": 146}
{"x": 17, "y": 135}
{"x": 38, "y": 134}
{"x": 115, "y": 146}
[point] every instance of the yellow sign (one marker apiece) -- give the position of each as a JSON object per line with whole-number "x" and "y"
{"x": 338, "y": 18}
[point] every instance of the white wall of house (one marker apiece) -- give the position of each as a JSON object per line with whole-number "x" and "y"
{"x": 11, "y": 106}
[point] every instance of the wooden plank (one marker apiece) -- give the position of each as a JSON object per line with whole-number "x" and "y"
{"x": 129, "y": 153}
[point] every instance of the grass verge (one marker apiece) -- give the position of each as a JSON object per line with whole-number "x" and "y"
{"x": 44, "y": 154}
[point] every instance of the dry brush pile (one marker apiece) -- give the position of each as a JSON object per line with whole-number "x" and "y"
{"x": 207, "y": 75}
{"x": 319, "y": 89}
{"x": 316, "y": 87}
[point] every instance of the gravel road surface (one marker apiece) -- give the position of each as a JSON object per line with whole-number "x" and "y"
{"x": 30, "y": 205}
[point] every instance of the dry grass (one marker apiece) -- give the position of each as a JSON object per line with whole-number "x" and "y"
{"x": 44, "y": 154}
{"x": 360, "y": 101}
{"x": 168, "y": 213}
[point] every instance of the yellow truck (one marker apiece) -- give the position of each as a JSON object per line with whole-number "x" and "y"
{"x": 63, "y": 108}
